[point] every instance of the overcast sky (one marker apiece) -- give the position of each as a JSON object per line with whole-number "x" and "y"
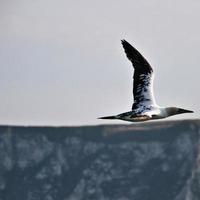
{"x": 61, "y": 62}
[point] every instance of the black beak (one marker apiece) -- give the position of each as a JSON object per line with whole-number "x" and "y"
{"x": 180, "y": 111}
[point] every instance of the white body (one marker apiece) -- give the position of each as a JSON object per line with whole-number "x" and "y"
{"x": 144, "y": 106}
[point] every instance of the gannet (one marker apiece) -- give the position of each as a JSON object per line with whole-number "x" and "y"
{"x": 144, "y": 106}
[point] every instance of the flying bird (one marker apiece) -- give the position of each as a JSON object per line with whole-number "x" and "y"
{"x": 144, "y": 105}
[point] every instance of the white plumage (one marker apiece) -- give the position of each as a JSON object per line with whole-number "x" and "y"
{"x": 144, "y": 105}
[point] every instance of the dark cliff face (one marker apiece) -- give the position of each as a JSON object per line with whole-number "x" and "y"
{"x": 148, "y": 161}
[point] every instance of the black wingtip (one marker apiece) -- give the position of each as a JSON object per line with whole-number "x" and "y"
{"x": 128, "y": 47}
{"x": 124, "y": 42}
{"x": 108, "y": 117}
{"x": 138, "y": 61}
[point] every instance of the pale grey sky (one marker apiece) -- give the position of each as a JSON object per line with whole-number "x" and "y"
{"x": 61, "y": 62}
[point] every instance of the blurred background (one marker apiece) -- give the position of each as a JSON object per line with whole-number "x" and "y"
{"x": 61, "y": 62}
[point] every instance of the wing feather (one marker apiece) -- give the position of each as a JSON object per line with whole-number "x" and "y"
{"x": 142, "y": 79}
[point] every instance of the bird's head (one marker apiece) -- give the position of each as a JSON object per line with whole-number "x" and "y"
{"x": 176, "y": 111}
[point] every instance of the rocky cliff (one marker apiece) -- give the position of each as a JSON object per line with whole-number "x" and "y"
{"x": 146, "y": 161}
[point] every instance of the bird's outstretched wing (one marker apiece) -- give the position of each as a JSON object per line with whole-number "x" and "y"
{"x": 142, "y": 79}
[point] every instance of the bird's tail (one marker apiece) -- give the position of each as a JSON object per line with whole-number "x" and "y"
{"x": 108, "y": 117}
